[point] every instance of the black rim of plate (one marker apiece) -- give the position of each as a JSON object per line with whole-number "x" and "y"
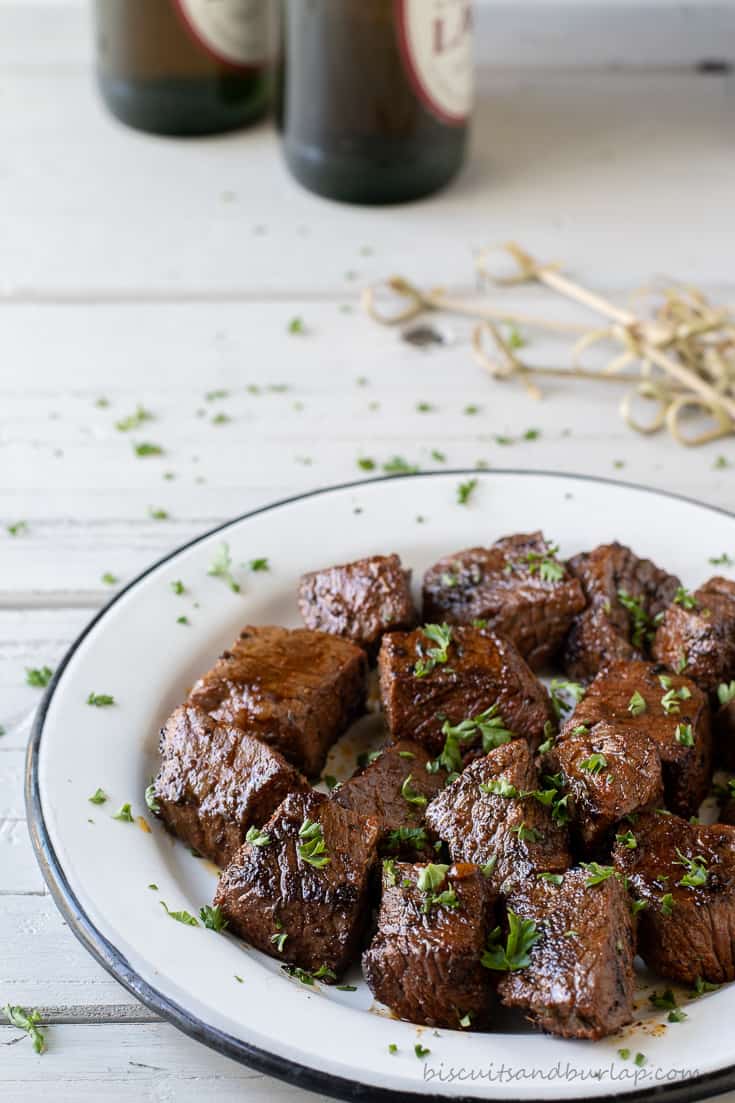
{"x": 303, "y": 1076}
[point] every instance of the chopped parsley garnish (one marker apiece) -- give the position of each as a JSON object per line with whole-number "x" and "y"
{"x": 100, "y": 700}
{"x": 366, "y": 464}
{"x": 256, "y": 837}
{"x": 637, "y": 704}
{"x": 421, "y": 1051}
{"x": 489, "y": 867}
{"x": 212, "y": 918}
{"x": 109, "y": 579}
{"x": 638, "y": 906}
{"x": 701, "y": 987}
{"x": 640, "y": 621}
{"x": 313, "y": 849}
{"x": 696, "y": 871}
{"x": 259, "y": 565}
{"x": 726, "y": 692}
{"x": 640, "y": 1060}
{"x": 411, "y": 795}
{"x": 624, "y": 1054}
{"x": 157, "y": 514}
{"x": 552, "y": 878}
{"x": 134, "y": 421}
{"x": 545, "y": 564}
{"x": 98, "y": 797}
{"x": 597, "y": 874}
{"x": 664, "y": 1001}
{"x": 526, "y": 834}
{"x": 437, "y": 456}
{"x": 181, "y": 916}
{"x": 415, "y": 837}
{"x": 39, "y": 677}
{"x": 628, "y": 840}
{"x": 346, "y": 987}
{"x": 723, "y": 560}
{"x": 561, "y": 691}
{"x": 677, "y": 1015}
{"x": 667, "y": 904}
{"x": 27, "y": 1020}
{"x": 465, "y": 491}
{"x": 398, "y": 466}
{"x": 221, "y": 418}
{"x": 183, "y": 620}
{"x": 424, "y": 408}
{"x": 222, "y": 568}
{"x": 428, "y": 881}
{"x": 296, "y": 326}
{"x": 488, "y": 724}
{"x": 212, "y": 396}
{"x": 17, "y": 528}
{"x": 393, "y": 1048}
{"x": 124, "y": 815}
{"x": 512, "y": 955}
{"x": 441, "y": 636}
{"x": 670, "y": 702}
{"x": 178, "y": 587}
{"x": 595, "y": 764}
{"x": 684, "y": 598}
{"x": 389, "y": 872}
{"x": 681, "y": 663}
{"x": 145, "y": 448}
{"x": 150, "y": 798}
{"x": 684, "y": 735}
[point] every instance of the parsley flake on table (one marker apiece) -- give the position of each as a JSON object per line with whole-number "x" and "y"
{"x": 221, "y": 419}
{"x": 157, "y": 514}
{"x": 181, "y": 916}
{"x": 532, "y": 434}
{"x": 212, "y": 918}
{"x": 296, "y": 326}
{"x": 365, "y": 463}
{"x": 513, "y": 954}
{"x": 100, "y": 700}
{"x": 145, "y": 448}
{"x": 259, "y": 565}
{"x": 135, "y": 420}
{"x": 437, "y": 456}
{"x": 212, "y": 396}
{"x": 18, "y": 528}
{"x": 183, "y": 620}
{"x": 38, "y": 677}
{"x": 425, "y": 408}
{"x": 222, "y": 568}
{"x": 398, "y": 466}
{"x": 465, "y": 491}
{"x": 98, "y": 797}
{"x": 109, "y": 579}
{"x": 125, "y": 814}
{"x": 27, "y": 1020}
{"x": 471, "y": 410}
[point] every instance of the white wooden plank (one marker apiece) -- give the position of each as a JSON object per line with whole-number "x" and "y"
{"x": 559, "y": 159}
{"x": 148, "y": 1064}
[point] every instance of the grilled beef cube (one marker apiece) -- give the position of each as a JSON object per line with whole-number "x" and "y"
{"x": 216, "y": 781}
{"x": 609, "y": 773}
{"x": 474, "y": 672}
{"x": 517, "y": 587}
{"x": 300, "y": 891}
{"x": 670, "y": 709}
{"x": 625, "y": 596}
{"x": 697, "y": 634}
{"x": 491, "y": 816}
{"x": 296, "y": 689}
{"x": 424, "y": 962}
{"x": 580, "y": 980}
{"x": 684, "y": 873}
{"x": 394, "y": 789}
{"x": 359, "y": 601}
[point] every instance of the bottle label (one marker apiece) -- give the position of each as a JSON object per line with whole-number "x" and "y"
{"x": 236, "y": 32}
{"x": 436, "y": 42}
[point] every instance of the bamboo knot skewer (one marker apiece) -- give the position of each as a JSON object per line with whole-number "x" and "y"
{"x": 683, "y": 358}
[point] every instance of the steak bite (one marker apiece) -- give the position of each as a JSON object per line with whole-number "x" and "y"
{"x": 670, "y": 709}
{"x": 296, "y": 689}
{"x": 580, "y": 981}
{"x": 697, "y": 634}
{"x": 608, "y": 773}
{"x": 518, "y": 587}
{"x": 360, "y": 600}
{"x": 441, "y": 675}
{"x": 498, "y": 815}
{"x": 684, "y": 876}
{"x": 625, "y": 598}
{"x": 394, "y": 789}
{"x": 299, "y": 890}
{"x": 424, "y": 962}
{"x": 216, "y": 781}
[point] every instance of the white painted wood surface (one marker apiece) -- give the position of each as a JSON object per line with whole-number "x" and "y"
{"x": 148, "y": 271}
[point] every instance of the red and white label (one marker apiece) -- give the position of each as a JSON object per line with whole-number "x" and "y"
{"x": 236, "y": 32}
{"x": 437, "y": 43}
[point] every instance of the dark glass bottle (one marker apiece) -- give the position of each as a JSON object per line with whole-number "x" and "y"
{"x": 374, "y": 95}
{"x": 185, "y": 66}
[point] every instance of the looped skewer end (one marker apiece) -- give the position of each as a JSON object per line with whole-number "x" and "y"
{"x": 415, "y": 302}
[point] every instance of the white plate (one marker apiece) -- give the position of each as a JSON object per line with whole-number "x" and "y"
{"x": 99, "y": 872}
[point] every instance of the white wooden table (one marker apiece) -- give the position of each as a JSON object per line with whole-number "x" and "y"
{"x": 137, "y": 270}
